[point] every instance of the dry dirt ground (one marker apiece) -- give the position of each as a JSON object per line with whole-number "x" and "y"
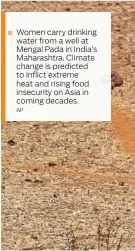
{"x": 62, "y": 177}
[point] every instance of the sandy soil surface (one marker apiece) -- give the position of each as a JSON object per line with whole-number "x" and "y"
{"x": 63, "y": 177}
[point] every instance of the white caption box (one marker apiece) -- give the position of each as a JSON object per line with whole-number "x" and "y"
{"x": 53, "y": 31}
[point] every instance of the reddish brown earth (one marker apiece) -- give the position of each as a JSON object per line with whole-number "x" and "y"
{"x": 124, "y": 128}
{"x": 58, "y": 177}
